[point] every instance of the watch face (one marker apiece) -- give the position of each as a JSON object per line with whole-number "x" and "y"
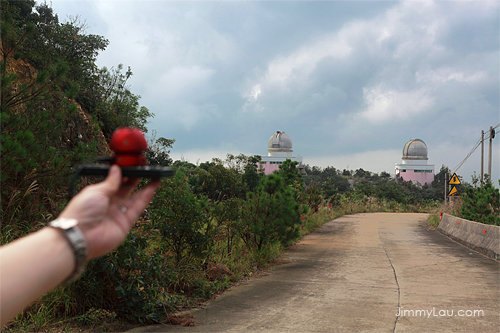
{"x": 65, "y": 223}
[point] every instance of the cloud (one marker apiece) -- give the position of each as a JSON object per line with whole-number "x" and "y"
{"x": 181, "y": 81}
{"x": 200, "y": 156}
{"x": 302, "y": 62}
{"x": 347, "y": 80}
{"x": 445, "y": 75}
{"x": 391, "y": 106}
{"x": 253, "y": 94}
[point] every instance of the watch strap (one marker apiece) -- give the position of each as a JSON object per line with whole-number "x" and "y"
{"x": 75, "y": 238}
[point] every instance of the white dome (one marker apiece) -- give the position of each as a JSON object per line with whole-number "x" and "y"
{"x": 280, "y": 143}
{"x": 415, "y": 149}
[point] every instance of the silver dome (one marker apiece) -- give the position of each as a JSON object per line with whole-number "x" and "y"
{"x": 280, "y": 142}
{"x": 415, "y": 149}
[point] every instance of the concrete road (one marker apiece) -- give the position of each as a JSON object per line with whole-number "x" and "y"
{"x": 355, "y": 274}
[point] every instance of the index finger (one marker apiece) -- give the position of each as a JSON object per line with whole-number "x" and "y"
{"x": 128, "y": 187}
{"x": 140, "y": 200}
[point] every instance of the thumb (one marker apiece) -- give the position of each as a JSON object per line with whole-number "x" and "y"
{"x": 113, "y": 181}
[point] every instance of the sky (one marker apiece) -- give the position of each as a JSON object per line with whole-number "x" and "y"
{"x": 349, "y": 81}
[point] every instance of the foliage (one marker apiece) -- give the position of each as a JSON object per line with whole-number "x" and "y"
{"x": 270, "y": 214}
{"x": 37, "y": 122}
{"x": 482, "y": 204}
{"x": 115, "y": 105}
{"x": 43, "y": 134}
{"x": 226, "y": 215}
{"x": 218, "y": 183}
{"x": 313, "y": 197}
{"x": 45, "y": 66}
{"x": 178, "y": 215}
{"x": 329, "y": 179}
{"x": 159, "y": 151}
{"x": 222, "y": 180}
{"x": 127, "y": 281}
{"x": 333, "y": 182}
{"x": 35, "y": 34}
{"x": 289, "y": 172}
{"x": 251, "y": 176}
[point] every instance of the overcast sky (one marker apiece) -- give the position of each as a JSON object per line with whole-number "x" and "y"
{"x": 349, "y": 81}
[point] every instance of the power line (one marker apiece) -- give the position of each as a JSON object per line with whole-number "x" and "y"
{"x": 467, "y": 157}
{"x": 478, "y": 143}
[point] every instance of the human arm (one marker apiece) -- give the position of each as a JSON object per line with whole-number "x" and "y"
{"x": 33, "y": 265}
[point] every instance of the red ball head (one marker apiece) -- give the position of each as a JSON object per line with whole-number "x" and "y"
{"x": 128, "y": 140}
{"x": 128, "y": 145}
{"x": 129, "y": 160}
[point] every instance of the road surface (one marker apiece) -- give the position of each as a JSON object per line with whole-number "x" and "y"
{"x": 355, "y": 274}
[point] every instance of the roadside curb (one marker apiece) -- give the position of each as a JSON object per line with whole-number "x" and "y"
{"x": 483, "y": 238}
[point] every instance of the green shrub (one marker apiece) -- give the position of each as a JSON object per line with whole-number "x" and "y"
{"x": 270, "y": 215}
{"x": 178, "y": 215}
{"x": 481, "y": 204}
{"x": 129, "y": 282}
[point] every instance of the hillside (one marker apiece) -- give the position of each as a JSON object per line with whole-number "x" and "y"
{"x": 57, "y": 108}
{"x": 80, "y": 127}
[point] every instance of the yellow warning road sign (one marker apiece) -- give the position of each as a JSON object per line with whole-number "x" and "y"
{"x": 454, "y": 192}
{"x": 454, "y": 180}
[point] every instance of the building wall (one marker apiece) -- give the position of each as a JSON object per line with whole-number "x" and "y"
{"x": 272, "y": 163}
{"x": 416, "y": 175}
{"x": 269, "y": 168}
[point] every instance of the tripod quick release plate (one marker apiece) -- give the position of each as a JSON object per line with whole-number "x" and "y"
{"x": 132, "y": 172}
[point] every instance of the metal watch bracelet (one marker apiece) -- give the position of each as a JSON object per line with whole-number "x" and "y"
{"x": 69, "y": 227}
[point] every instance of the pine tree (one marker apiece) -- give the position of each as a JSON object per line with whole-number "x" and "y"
{"x": 178, "y": 215}
{"x": 482, "y": 204}
{"x": 270, "y": 214}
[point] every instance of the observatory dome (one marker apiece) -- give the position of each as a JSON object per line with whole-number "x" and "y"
{"x": 280, "y": 143}
{"x": 415, "y": 149}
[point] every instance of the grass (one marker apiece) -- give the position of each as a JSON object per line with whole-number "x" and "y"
{"x": 452, "y": 208}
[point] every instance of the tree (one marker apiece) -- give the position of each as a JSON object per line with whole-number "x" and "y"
{"x": 270, "y": 214}
{"x": 313, "y": 197}
{"x": 65, "y": 42}
{"x": 360, "y": 173}
{"x": 251, "y": 175}
{"x": 220, "y": 183}
{"x": 290, "y": 173}
{"x": 178, "y": 215}
{"x": 37, "y": 122}
{"x": 159, "y": 151}
{"x": 115, "y": 105}
{"x": 245, "y": 166}
{"x": 481, "y": 204}
{"x": 385, "y": 175}
{"x": 437, "y": 184}
{"x": 226, "y": 213}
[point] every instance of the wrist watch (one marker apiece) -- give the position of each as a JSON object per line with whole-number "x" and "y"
{"x": 69, "y": 227}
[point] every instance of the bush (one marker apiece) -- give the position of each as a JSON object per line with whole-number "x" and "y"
{"x": 313, "y": 197}
{"x": 128, "y": 282}
{"x": 178, "y": 215}
{"x": 270, "y": 215}
{"x": 481, "y": 204}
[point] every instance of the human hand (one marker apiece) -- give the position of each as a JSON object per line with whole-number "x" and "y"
{"x": 106, "y": 211}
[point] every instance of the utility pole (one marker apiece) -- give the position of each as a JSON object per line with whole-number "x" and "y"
{"x": 482, "y": 157}
{"x": 445, "y": 182}
{"x": 492, "y": 135}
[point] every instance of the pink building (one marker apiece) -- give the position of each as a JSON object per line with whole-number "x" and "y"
{"x": 414, "y": 166}
{"x": 279, "y": 150}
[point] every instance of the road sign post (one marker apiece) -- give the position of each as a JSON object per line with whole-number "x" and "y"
{"x": 454, "y": 181}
